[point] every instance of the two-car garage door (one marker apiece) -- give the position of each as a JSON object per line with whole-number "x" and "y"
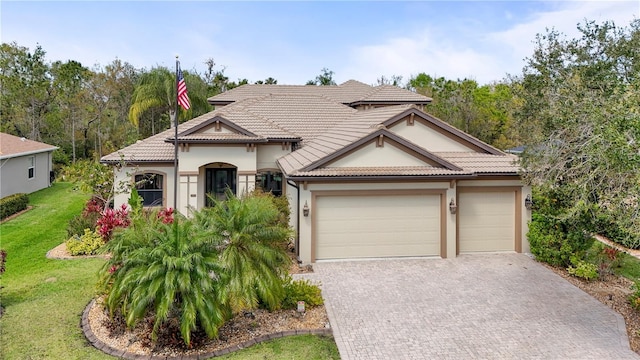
{"x": 378, "y": 225}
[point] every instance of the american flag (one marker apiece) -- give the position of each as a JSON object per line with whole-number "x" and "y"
{"x": 183, "y": 98}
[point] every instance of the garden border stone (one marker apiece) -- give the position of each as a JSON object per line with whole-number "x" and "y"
{"x": 124, "y": 354}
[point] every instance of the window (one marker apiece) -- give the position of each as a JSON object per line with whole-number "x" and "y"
{"x": 269, "y": 181}
{"x": 31, "y": 170}
{"x": 150, "y": 188}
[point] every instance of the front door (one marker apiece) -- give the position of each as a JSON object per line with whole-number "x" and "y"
{"x": 217, "y": 182}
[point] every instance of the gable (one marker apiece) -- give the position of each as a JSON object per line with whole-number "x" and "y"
{"x": 435, "y": 135}
{"x": 429, "y": 138}
{"x": 216, "y": 128}
{"x": 381, "y": 152}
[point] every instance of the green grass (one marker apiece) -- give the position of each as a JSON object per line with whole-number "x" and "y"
{"x": 626, "y": 265}
{"x": 302, "y": 347}
{"x": 44, "y": 299}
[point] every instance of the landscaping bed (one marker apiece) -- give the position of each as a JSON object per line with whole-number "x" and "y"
{"x": 243, "y": 329}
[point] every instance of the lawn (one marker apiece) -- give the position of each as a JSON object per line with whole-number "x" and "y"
{"x": 44, "y": 299}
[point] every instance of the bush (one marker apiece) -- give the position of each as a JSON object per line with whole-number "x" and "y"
{"x": 12, "y": 204}
{"x": 280, "y": 202}
{"x": 79, "y": 223}
{"x": 3, "y": 260}
{"x": 634, "y": 298}
{"x": 554, "y": 242}
{"x": 301, "y": 290}
{"x": 87, "y": 244}
{"x": 583, "y": 269}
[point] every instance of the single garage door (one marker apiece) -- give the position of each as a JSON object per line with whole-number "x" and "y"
{"x": 487, "y": 221}
{"x": 377, "y": 226}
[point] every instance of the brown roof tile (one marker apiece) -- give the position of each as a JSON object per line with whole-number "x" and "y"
{"x": 380, "y": 171}
{"x": 347, "y": 93}
{"x": 12, "y": 146}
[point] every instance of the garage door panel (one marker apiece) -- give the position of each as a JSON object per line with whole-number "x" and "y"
{"x": 377, "y": 226}
{"x": 486, "y": 221}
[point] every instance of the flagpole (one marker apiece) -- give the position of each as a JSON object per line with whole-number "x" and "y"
{"x": 175, "y": 145}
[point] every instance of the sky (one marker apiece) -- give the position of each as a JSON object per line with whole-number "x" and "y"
{"x": 292, "y": 41}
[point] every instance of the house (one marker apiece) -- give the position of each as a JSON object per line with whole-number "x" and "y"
{"x": 25, "y": 165}
{"x": 367, "y": 171}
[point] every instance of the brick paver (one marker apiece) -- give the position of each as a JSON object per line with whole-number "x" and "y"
{"x": 487, "y": 306}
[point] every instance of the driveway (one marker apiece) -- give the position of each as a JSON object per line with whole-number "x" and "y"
{"x": 489, "y": 306}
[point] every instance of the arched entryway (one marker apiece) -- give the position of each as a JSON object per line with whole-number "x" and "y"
{"x": 218, "y": 178}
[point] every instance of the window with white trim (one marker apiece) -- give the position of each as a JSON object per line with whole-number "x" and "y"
{"x": 150, "y": 187}
{"x": 31, "y": 169}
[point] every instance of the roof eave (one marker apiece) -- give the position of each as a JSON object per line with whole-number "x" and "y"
{"x": 27, "y": 153}
{"x": 380, "y": 177}
{"x": 217, "y": 141}
{"x": 387, "y": 102}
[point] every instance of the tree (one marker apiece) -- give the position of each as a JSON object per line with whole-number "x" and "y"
{"x": 585, "y": 94}
{"x": 251, "y": 243}
{"x": 486, "y": 112}
{"x": 69, "y": 81}
{"x": 26, "y": 90}
{"x": 325, "y": 78}
{"x": 170, "y": 270}
{"x": 395, "y": 80}
{"x": 155, "y": 96}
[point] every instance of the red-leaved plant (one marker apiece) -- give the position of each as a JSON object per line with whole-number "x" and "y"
{"x": 166, "y": 215}
{"x": 112, "y": 219}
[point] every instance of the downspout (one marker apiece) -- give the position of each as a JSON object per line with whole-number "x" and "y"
{"x": 297, "y": 242}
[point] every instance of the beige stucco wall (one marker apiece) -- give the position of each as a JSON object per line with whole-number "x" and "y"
{"x": 267, "y": 155}
{"x": 200, "y": 155}
{"x": 373, "y": 155}
{"x": 427, "y": 138}
{"x": 14, "y": 176}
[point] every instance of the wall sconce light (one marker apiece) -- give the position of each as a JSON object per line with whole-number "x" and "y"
{"x": 305, "y": 209}
{"x": 453, "y": 208}
{"x": 528, "y": 203}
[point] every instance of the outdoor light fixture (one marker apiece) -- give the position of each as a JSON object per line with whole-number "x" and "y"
{"x": 305, "y": 209}
{"x": 528, "y": 203}
{"x": 453, "y": 208}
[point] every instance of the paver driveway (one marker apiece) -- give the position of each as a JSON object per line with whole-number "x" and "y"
{"x": 489, "y": 306}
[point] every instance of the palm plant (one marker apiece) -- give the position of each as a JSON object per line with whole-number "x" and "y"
{"x": 156, "y": 94}
{"x": 168, "y": 270}
{"x": 251, "y": 243}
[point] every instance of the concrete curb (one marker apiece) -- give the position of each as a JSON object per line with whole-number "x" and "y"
{"x": 120, "y": 353}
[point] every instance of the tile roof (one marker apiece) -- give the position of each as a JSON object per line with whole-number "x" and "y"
{"x": 13, "y": 146}
{"x": 317, "y": 117}
{"x": 483, "y": 163}
{"x": 381, "y": 171}
{"x": 349, "y": 92}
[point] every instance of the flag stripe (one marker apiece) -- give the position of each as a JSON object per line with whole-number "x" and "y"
{"x": 183, "y": 98}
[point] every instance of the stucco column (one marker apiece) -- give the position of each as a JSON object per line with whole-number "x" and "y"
{"x": 452, "y": 220}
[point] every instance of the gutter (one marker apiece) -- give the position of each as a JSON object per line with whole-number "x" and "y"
{"x": 33, "y": 152}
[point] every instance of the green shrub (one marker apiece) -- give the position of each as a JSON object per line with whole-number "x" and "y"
{"x": 583, "y": 269}
{"x": 12, "y": 204}
{"x": 634, "y": 298}
{"x": 280, "y": 202}
{"x": 301, "y": 290}
{"x": 87, "y": 244}
{"x": 79, "y": 223}
{"x": 554, "y": 242}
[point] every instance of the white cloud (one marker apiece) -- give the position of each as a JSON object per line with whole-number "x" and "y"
{"x": 486, "y": 56}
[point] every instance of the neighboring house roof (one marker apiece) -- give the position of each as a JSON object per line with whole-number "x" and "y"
{"x": 351, "y": 93}
{"x": 13, "y": 146}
